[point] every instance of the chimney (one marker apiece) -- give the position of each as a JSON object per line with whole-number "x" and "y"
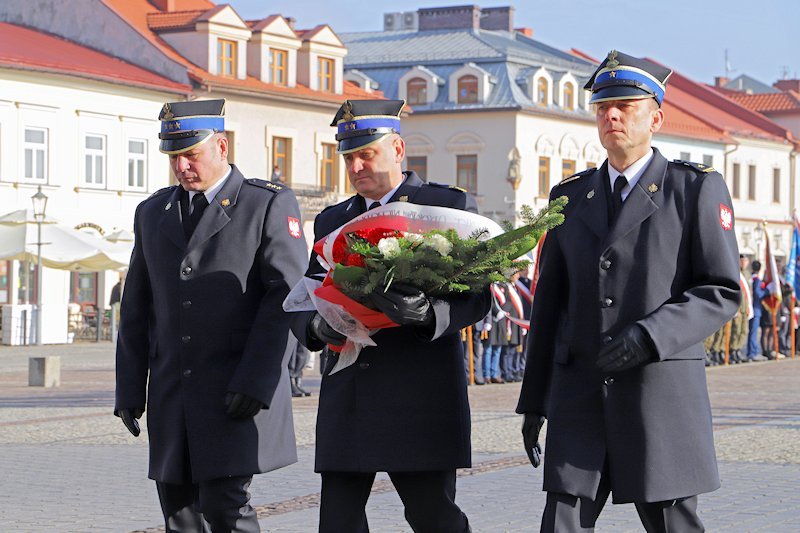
{"x": 787, "y": 85}
{"x": 527, "y": 32}
{"x": 164, "y": 5}
{"x": 720, "y": 81}
{"x": 497, "y": 18}
{"x": 291, "y": 21}
{"x": 449, "y": 18}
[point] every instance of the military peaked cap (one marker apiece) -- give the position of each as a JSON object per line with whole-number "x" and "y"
{"x": 361, "y": 123}
{"x": 185, "y": 125}
{"x": 623, "y": 77}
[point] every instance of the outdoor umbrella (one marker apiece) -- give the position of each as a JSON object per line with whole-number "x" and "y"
{"x": 63, "y": 247}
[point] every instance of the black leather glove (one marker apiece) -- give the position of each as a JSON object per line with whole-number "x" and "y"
{"x": 321, "y": 330}
{"x": 531, "y": 427}
{"x": 241, "y": 405}
{"x": 129, "y": 417}
{"x": 403, "y": 304}
{"x": 630, "y": 349}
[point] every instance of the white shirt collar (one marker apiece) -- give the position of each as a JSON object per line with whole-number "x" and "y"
{"x": 212, "y": 191}
{"x": 385, "y": 197}
{"x": 632, "y": 173}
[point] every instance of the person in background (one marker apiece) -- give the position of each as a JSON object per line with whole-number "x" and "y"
{"x": 758, "y": 292}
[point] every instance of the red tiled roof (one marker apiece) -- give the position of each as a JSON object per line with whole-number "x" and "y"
{"x": 769, "y": 102}
{"x": 47, "y": 53}
{"x": 682, "y": 123}
{"x": 137, "y": 13}
{"x": 172, "y": 20}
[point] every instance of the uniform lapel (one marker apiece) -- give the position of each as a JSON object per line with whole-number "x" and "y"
{"x": 216, "y": 216}
{"x": 170, "y": 223}
{"x": 407, "y": 189}
{"x": 643, "y": 200}
{"x": 593, "y": 210}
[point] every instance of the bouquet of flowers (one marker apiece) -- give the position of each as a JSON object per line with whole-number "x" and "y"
{"x": 437, "y": 250}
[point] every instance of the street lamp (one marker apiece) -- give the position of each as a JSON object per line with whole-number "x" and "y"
{"x": 39, "y": 207}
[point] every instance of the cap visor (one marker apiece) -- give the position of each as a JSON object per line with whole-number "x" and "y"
{"x": 177, "y": 146}
{"x": 354, "y": 144}
{"x": 619, "y": 92}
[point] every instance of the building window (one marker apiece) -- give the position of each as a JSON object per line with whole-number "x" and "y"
{"x": 567, "y": 168}
{"x": 708, "y": 160}
{"x": 751, "y": 182}
{"x": 468, "y": 90}
{"x": 467, "y": 172}
{"x": 279, "y": 60}
{"x": 325, "y": 66}
{"x": 5, "y": 274}
{"x": 137, "y": 163}
{"x": 328, "y": 172}
{"x": 569, "y": 96}
{"x": 417, "y": 91}
{"x": 776, "y": 185}
{"x": 281, "y": 156}
{"x": 737, "y": 181}
{"x": 226, "y": 58}
{"x": 418, "y": 164}
{"x": 685, "y": 156}
{"x": 36, "y": 153}
{"x": 541, "y": 91}
{"x": 83, "y": 288}
{"x": 544, "y": 177}
{"x": 94, "y": 159}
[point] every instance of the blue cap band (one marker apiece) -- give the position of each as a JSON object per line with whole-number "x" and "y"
{"x": 625, "y": 74}
{"x": 192, "y": 123}
{"x": 368, "y": 123}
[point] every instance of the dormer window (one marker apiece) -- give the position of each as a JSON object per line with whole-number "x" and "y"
{"x": 417, "y": 91}
{"x": 569, "y": 96}
{"x": 468, "y": 89}
{"x": 325, "y": 68}
{"x": 279, "y": 61}
{"x": 226, "y": 58}
{"x": 542, "y": 89}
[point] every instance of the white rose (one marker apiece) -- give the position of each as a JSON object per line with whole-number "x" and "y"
{"x": 413, "y": 237}
{"x": 438, "y": 243}
{"x": 389, "y": 247}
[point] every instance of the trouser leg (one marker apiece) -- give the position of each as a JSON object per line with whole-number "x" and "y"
{"x": 225, "y": 505}
{"x": 178, "y": 504}
{"x": 674, "y": 516}
{"x": 343, "y": 502}
{"x": 429, "y": 501}
{"x": 565, "y": 513}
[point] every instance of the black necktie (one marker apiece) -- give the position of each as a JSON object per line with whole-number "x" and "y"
{"x": 373, "y": 205}
{"x": 199, "y": 204}
{"x": 616, "y": 195}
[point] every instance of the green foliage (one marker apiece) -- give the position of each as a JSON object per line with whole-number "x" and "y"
{"x": 470, "y": 265}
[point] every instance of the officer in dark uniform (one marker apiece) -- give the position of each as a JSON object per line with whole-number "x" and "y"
{"x": 642, "y": 270}
{"x": 402, "y": 407}
{"x": 203, "y": 337}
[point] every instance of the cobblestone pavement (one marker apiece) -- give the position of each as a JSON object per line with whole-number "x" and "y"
{"x": 68, "y": 465}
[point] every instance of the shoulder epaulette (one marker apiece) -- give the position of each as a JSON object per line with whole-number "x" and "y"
{"x": 576, "y": 176}
{"x": 446, "y": 186}
{"x": 159, "y": 192}
{"x": 697, "y": 166}
{"x": 264, "y": 184}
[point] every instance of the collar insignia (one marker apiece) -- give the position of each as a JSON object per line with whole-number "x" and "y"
{"x": 653, "y": 187}
{"x": 590, "y": 194}
{"x": 166, "y": 207}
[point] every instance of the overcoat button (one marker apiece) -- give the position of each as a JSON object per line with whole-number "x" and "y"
{"x": 363, "y": 366}
{"x": 187, "y": 373}
{"x": 605, "y": 264}
{"x": 185, "y": 339}
{"x": 186, "y": 304}
{"x": 187, "y": 270}
{"x": 607, "y": 339}
{"x": 607, "y": 302}
{"x": 609, "y": 381}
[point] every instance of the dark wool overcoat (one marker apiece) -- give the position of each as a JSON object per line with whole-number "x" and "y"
{"x": 204, "y": 317}
{"x": 403, "y": 405}
{"x": 669, "y": 263}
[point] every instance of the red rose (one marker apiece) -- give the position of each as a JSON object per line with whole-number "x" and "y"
{"x": 355, "y": 260}
{"x": 339, "y": 250}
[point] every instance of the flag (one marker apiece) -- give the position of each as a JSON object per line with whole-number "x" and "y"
{"x": 535, "y": 276}
{"x": 746, "y": 295}
{"x": 792, "y": 267}
{"x": 772, "y": 281}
